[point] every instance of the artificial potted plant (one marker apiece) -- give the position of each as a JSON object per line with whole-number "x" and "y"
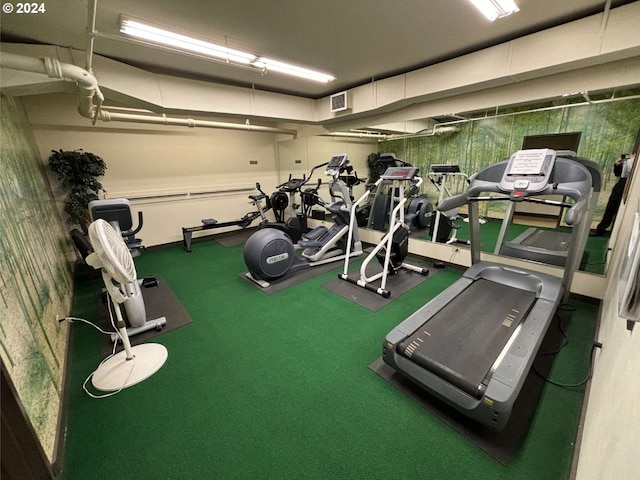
{"x": 78, "y": 173}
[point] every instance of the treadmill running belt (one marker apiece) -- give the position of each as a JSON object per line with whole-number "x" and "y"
{"x": 556, "y": 241}
{"x": 462, "y": 341}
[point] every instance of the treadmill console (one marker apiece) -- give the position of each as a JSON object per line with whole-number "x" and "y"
{"x": 445, "y": 168}
{"x": 528, "y": 171}
{"x": 400, "y": 173}
{"x": 336, "y": 164}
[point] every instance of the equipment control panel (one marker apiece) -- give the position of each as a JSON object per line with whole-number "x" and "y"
{"x": 293, "y": 184}
{"x": 336, "y": 164}
{"x": 400, "y": 173}
{"x": 528, "y": 171}
{"x": 445, "y": 168}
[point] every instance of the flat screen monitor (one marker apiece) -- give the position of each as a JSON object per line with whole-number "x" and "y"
{"x": 556, "y": 141}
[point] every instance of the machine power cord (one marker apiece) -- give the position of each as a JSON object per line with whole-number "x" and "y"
{"x": 113, "y": 351}
{"x": 565, "y": 342}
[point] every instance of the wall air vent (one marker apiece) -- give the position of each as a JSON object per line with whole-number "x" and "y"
{"x": 338, "y": 102}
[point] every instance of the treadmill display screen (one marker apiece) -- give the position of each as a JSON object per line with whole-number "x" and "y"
{"x": 528, "y": 170}
{"x": 528, "y": 162}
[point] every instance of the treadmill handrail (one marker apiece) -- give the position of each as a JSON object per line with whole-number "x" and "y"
{"x": 575, "y": 213}
{"x": 487, "y": 180}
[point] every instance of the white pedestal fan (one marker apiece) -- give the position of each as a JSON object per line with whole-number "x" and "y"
{"x": 133, "y": 364}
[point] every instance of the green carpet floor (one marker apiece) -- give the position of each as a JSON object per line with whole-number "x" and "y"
{"x": 278, "y": 387}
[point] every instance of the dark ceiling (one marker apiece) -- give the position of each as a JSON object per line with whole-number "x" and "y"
{"x": 356, "y": 40}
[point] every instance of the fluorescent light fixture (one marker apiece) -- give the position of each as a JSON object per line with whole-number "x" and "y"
{"x": 494, "y": 9}
{"x": 167, "y": 38}
{"x": 282, "y": 67}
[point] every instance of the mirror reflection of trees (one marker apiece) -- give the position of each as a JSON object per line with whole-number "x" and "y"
{"x": 609, "y": 128}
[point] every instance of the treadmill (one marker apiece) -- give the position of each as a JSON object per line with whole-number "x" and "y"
{"x": 472, "y": 346}
{"x": 551, "y": 246}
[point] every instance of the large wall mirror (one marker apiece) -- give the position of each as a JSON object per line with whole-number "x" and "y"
{"x": 597, "y": 126}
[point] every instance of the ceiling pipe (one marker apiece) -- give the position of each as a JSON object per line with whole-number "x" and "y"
{"x": 378, "y": 136}
{"x": 92, "y": 7}
{"x": 438, "y": 129}
{"x": 86, "y": 82}
{"x": 89, "y": 89}
{"x": 605, "y": 16}
{"x": 107, "y": 116}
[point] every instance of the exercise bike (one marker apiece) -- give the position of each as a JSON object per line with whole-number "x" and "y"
{"x": 117, "y": 212}
{"x": 269, "y": 253}
{"x": 393, "y": 248}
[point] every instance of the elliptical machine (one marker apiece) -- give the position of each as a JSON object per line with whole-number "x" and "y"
{"x": 393, "y": 248}
{"x": 418, "y": 209}
{"x": 270, "y": 254}
{"x": 285, "y": 198}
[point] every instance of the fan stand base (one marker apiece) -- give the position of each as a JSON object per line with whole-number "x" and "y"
{"x": 117, "y": 372}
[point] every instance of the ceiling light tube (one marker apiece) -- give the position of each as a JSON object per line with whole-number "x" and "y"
{"x": 494, "y": 9}
{"x": 282, "y": 67}
{"x": 167, "y": 38}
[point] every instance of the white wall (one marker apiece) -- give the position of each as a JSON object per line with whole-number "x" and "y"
{"x": 300, "y": 155}
{"x": 166, "y": 171}
{"x": 151, "y": 161}
{"x": 612, "y": 424}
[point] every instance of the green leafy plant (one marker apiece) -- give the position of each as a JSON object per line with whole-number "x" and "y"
{"x": 78, "y": 173}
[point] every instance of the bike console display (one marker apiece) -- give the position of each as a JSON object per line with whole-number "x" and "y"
{"x": 528, "y": 171}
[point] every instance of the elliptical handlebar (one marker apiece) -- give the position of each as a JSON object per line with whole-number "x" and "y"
{"x": 317, "y": 166}
{"x": 293, "y": 184}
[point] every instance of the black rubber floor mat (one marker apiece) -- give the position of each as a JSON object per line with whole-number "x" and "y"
{"x": 159, "y": 301}
{"x": 501, "y": 445}
{"x": 398, "y": 285}
{"x": 289, "y": 280}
